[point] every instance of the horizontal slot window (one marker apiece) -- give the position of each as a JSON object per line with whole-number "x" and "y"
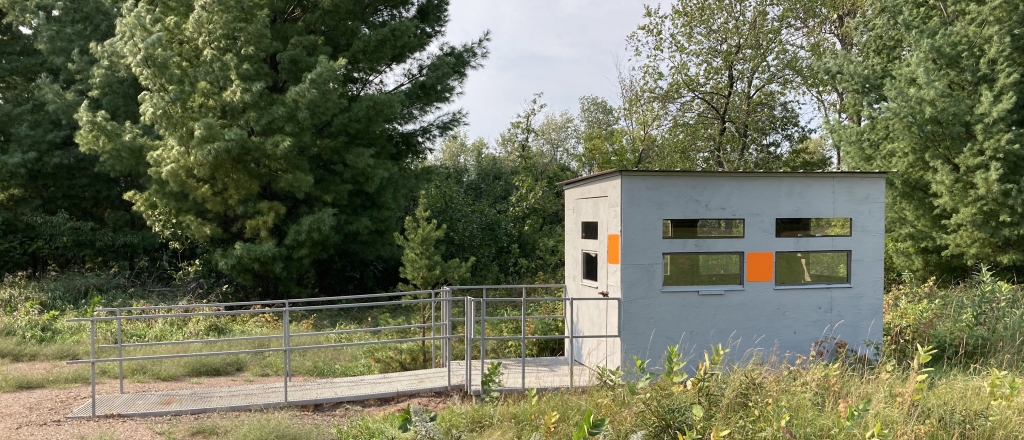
{"x": 703, "y": 269}
{"x": 590, "y": 266}
{"x": 814, "y": 227}
{"x": 589, "y": 230}
{"x": 702, "y": 228}
{"x": 815, "y": 267}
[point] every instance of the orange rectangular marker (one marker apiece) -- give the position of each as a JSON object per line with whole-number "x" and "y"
{"x": 760, "y": 266}
{"x": 613, "y": 248}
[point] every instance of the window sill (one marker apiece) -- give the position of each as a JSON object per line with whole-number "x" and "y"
{"x": 698, "y": 289}
{"x": 816, "y": 236}
{"x": 815, "y": 286}
{"x": 587, "y": 283}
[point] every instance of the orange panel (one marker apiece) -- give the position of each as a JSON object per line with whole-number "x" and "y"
{"x": 613, "y": 248}
{"x": 760, "y": 266}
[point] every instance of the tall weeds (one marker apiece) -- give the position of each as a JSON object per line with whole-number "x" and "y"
{"x": 977, "y": 322}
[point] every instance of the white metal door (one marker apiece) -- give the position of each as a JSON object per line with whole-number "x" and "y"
{"x": 591, "y": 317}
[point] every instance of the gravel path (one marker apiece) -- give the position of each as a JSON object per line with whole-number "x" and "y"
{"x": 40, "y": 413}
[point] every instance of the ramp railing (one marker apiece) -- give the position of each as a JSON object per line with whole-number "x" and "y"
{"x": 477, "y": 311}
{"x": 444, "y": 307}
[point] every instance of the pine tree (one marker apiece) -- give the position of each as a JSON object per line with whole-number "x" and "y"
{"x": 939, "y": 88}
{"x": 423, "y": 265}
{"x": 422, "y": 262}
{"x": 56, "y": 209}
{"x": 278, "y": 134}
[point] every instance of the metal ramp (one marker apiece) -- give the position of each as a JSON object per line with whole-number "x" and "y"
{"x": 450, "y": 372}
{"x": 541, "y": 373}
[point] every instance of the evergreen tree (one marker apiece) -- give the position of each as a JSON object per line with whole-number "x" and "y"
{"x": 938, "y": 86}
{"x": 423, "y": 264}
{"x": 55, "y": 207}
{"x": 279, "y": 134}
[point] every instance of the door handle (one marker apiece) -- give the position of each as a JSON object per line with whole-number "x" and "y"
{"x": 603, "y": 293}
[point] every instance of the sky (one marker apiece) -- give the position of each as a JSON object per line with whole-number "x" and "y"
{"x": 563, "y": 48}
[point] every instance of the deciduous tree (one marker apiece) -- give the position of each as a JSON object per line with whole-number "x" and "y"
{"x": 722, "y": 76}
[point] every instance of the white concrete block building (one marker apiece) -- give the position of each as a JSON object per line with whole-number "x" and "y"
{"x": 756, "y": 260}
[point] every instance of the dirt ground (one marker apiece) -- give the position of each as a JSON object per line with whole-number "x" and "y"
{"x": 41, "y": 413}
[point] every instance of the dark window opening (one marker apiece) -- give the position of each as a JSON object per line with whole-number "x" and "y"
{"x": 814, "y": 227}
{"x": 589, "y": 230}
{"x": 590, "y": 266}
{"x": 814, "y": 267}
{"x": 703, "y": 269}
{"x": 702, "y": 228}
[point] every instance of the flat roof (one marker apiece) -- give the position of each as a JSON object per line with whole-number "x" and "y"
{"x": 741, "y": 173}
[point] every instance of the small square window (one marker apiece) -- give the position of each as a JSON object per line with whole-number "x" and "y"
{"x": 813, "y": 267}
{"x": 703, "y": 269}
{"x": 589, "y": 230}
{"x": 813, "y": 227}
{"x": 702, "y": 228}
{"x": 590, "y": 266}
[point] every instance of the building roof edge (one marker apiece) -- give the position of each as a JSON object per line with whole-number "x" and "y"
{"x": 819, "y": 173}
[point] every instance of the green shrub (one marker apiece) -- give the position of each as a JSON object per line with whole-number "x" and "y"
{"x": 977, "y": 322}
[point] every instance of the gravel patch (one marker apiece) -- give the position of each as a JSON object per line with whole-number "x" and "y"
{"x": 41, "y": 413}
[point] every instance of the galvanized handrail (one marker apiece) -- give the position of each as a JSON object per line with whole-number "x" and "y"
{"x": 441, "y": 297}
{"x": 267, "y": 302}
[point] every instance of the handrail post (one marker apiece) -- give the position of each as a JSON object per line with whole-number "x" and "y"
{"x": 483, "y": 341}
{"x": 568, "y": 311}
{"x": 446, "y": 313}
{"x": 120, "y": 363}
{"x": 522, "y": 321}
{"x": 618, "y": 329}
{"x": 92, "y": 363}
{"x": 286, "y": 342}
{"x": 433, "y": 352}
{"x": 483, "y": 329}
{"x": 451, "y": 342}
{"x": 470, "y": 322}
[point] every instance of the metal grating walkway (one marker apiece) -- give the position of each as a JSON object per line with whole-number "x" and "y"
{"x": 541, "y": 373}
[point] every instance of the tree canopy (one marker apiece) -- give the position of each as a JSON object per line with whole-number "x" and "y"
{"x": 281, "y": 143}
{"x": 723, "y": 73}
{"x": 280, "y": 135}
{"x": 55, "y": 208}
{"x": 938, "y": 88}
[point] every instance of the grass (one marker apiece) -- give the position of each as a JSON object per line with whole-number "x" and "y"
{"x": 812, "y": 399}
{"x": 100, "y": 436}
{"x": 975, "y": 328}
{"x": 17, "y": 350}
{"x": 33, "y": 328}
{"x": 979, "y": 322}
{"x": 277, "y": 425}
{"x": 50, "y": 378}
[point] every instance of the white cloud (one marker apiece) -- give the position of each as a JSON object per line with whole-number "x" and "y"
{"x": 563, "y": 48}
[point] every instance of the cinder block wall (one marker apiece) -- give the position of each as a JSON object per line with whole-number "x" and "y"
{"x": 595, "y": 200}
{"x": 759, "y": 315}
